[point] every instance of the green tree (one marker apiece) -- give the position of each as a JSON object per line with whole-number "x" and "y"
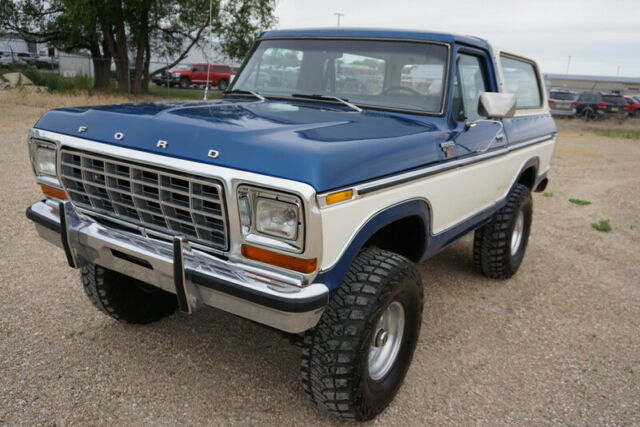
{"x": 129, "y": 32}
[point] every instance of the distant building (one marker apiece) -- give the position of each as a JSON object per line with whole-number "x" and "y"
{"x": 13, "y": 43}
{"x": 578, "y": 83}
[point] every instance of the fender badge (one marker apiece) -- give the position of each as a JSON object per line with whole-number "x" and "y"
{"x": 82, "y": 129}
{"x": 213, "y": 154}
{"x": 162, "y": 144}
{"x": 119, "y": 136}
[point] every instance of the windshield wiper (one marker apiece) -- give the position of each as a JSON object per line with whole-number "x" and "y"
{"x": 328, "y": 97}
{"x": 248, "y": 92}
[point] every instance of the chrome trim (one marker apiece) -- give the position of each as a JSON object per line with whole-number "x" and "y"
{"x": 154, "y": 198}
{"x": 383, "y": 39}
{"x": 152, "y": 261}
{"x": 253, "y": 235}
{"x": 231, "y": 178}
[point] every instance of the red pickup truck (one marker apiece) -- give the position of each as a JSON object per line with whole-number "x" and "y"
{"x": 185, "y": 75}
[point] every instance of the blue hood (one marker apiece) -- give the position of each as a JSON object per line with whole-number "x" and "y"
{"x": 323, "y": 145}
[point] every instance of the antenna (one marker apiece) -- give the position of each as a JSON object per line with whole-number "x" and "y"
{"x": 206, "y": 87}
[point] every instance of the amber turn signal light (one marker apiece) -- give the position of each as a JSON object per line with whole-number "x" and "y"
{"x": 53, "y": 192}
{"x": 302, "y": 265}
{"x": 340, "y": 196}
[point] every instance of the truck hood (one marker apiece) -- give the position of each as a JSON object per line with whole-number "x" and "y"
{"x": 324, "y": 145}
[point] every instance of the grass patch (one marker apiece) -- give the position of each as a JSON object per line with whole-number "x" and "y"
{"x": 54, "y": 82}
{"x": 580, "y": 202}
{"x": 619, "y": 133}
{"x": 602, "y": 225}
{"x": 547, "y": 194}
{"x": 181, "y": 93}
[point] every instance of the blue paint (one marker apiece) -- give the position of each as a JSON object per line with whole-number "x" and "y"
{"x": 377, "y": 33}
{"x": 323, "y": 145}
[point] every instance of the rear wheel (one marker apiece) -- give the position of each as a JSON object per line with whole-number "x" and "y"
{"x": 124, "y": 298}
{"x": 499, "y": 246}
{"x": 355, "y": 360}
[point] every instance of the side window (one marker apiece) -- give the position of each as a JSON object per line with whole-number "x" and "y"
{"x": 521, "y": 79}
{"x": 470, "y": 82}
{"x": 200, "y": 68}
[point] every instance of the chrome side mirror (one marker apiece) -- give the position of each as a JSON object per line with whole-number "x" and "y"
{"x": 497, "y": 105}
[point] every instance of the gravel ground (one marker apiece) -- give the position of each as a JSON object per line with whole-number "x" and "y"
{"x": 557, "y": 344}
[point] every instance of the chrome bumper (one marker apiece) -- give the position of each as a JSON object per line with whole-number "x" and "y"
{"x": 195, "y": 277}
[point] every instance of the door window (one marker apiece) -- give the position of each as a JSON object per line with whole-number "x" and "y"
{"x": 470, "y": 82}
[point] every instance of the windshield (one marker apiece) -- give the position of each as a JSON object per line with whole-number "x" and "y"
{"x": 563, "y": 96}
{"x": 183, "y": 67}
{"x": 388, "y": 74}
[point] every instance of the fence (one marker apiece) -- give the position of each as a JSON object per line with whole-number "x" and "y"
{"x": 82, "y": 69}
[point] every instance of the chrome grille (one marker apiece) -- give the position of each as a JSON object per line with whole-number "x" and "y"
{"x": 154, "y": 198}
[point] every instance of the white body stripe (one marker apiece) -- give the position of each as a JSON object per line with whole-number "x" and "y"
{"x": 453, "y": 196}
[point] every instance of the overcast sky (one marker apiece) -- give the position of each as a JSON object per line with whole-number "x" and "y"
{"x": 600, "y": 35}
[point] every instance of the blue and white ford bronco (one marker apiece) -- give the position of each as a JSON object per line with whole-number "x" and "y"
{"x": 304, "y": 197}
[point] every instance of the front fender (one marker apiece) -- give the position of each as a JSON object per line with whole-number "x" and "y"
{"x": 334, "y": 276}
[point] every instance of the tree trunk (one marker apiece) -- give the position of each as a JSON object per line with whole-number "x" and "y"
{"x": 101, "y": 67}
{"x": 101, "y": 71}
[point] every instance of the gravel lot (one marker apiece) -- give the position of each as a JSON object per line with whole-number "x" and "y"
{"x": 557, "y": 344}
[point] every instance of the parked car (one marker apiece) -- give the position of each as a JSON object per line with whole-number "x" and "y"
{"x": 632, "y": 107}
{"x": 593, "y": 106}
{"x": 185, "y": 75}
{"x": 563, "y": 103}
{"x": 299, "y": 206}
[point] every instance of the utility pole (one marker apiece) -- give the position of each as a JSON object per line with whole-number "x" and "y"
{"x": 339, "y": 15}
{"x": 566, "y": 75}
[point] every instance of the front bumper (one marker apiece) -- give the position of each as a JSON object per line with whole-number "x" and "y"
{"x": 196, "y": 277}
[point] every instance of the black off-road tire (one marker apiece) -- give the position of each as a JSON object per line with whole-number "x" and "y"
{"x": 124, "y": 298}
{"x": 334, "y": 366}
{"x": 222, "y": 85}
{"x": 492, "y": 243}
{"x": 184, "y": 83}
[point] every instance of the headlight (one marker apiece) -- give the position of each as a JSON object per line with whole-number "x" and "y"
{"x": 271, "y": 218}
{"x": 43, "y": 158}
{"x": 275, "y": 218}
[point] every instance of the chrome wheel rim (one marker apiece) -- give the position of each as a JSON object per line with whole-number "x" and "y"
{"x": 386, "y": 340}
{"x": 518, "y": 231}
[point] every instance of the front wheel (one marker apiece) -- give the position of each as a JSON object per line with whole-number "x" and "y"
{"x": 184, "y": 83}
{"x": 125, "y": 298}
{"x": 499, "y": 246}
{"x": 355, "y": 359}
{"x": 222, "y": 85}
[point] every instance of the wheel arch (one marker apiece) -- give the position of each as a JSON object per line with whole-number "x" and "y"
{"x": 409, "y": 217}
{"x": 528, "y": 174}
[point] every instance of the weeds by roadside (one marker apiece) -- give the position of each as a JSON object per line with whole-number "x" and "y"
{"x": 547, "y": 194}
{"x": 580, "y": 202}
{"x": 618, "y": 133}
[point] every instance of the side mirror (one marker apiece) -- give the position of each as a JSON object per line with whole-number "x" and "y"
{"x": 497, "y": 105}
